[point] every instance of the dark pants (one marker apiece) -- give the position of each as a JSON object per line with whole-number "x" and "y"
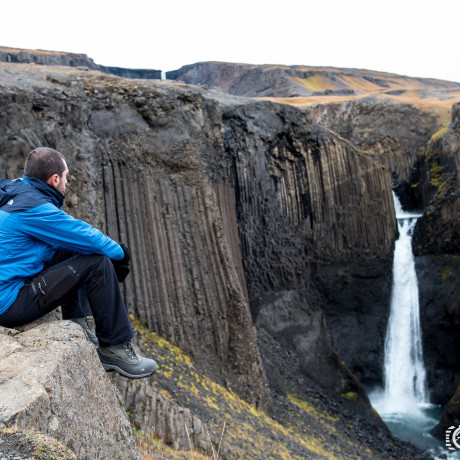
{"x": 83, "y": 285}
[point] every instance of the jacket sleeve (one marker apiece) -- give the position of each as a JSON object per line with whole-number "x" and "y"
{"x": 49, "y": 224}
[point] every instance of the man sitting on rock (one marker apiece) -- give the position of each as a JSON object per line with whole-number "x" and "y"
{"x": 49, "y": 259}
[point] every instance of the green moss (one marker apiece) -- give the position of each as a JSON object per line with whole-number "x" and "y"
{"x": 351, "y": 395}
{"x": 310, "y": 408}
{"x": 249, "y": 432}
{"x": 47, "y": 448}
{"x": 440, "y": 133}
{"x": 435, "y": 174}
{"x": 446, "y": 273}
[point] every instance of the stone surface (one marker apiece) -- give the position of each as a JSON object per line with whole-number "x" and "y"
{"x": 450, "y": 417}
{"x": 17, "y": 445}
{"x": 51, "y": 382}
{"x": 152, "y": 412}
{"x": 396, "y": 133}
{"x": 314, "y": 214}
{"x": 436, "y": 244}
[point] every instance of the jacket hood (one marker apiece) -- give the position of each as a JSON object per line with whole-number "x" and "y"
{"x": 10, "y": 189}
{"x": 50, "y": 192}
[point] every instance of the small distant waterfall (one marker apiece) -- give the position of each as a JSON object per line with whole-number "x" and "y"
{"x": 405, "y": 385}
{"x": 163, "y": 75}
{"x": 427, "y": 164}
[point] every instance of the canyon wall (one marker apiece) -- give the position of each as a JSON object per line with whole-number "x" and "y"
{"x": 315, "y": 216}
{"x": 437, "y": 249}
{"x": 145, "y": 164}
{"x": 262, "y": 234}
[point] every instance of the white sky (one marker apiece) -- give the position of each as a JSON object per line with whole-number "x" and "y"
{"x": 419, "y": 38}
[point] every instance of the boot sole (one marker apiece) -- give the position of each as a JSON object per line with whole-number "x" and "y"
{"x": 114, "y": 367}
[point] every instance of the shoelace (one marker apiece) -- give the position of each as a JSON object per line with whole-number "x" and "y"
{"x": 129, "y": 349}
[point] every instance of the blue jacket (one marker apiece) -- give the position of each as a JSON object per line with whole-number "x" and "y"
{"x": 32, "y": 227}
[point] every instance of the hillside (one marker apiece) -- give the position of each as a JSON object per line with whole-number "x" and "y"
{"x": 305, "y": 86}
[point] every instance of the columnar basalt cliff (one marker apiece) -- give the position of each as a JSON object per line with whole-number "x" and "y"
{"x": 316, "y": 215}
{"x": 423, "y": 161}
{"x": 437, "y": 249}
{"x": 144, "y": 165}
{"x": 262, "y": 237}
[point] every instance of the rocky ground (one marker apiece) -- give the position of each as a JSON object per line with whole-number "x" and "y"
{"x": 36, "y": 446}
{"x": 304, "y": 422}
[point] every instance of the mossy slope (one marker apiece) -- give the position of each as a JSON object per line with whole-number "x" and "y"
{"x": 308, "y": 430}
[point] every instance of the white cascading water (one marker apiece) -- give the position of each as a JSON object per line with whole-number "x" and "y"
{"x": 405, "y": 386}
{"x": 404, "y": 402}
{"x": 404, "y": 372}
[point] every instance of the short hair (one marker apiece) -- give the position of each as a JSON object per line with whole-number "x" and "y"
{"x": 43, "y": 162}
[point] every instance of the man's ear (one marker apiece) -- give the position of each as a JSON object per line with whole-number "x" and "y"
{"x": 53, "y": 180}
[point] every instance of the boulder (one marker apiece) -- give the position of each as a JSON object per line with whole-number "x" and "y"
{"x": 51, "y": 382}
{"x": 450, "y": 417}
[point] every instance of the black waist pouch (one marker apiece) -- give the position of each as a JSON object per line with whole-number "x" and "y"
{"x": 52, "y": 286}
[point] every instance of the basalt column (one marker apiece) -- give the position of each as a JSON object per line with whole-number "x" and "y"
{"x": 316, "y": 217}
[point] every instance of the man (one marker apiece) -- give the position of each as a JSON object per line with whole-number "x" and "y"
{"x": 48, "y": 259}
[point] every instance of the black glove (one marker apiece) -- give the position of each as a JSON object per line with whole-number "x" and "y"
{"x": 122, "y": 266}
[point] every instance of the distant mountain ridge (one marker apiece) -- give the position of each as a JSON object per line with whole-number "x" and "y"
{"x": 264, "y": 81}
{"x": 42, "y": 57}
{"x": 280, "y": 81}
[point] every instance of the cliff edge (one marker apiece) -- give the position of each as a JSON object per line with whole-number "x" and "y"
{"x": 51, "y": 382}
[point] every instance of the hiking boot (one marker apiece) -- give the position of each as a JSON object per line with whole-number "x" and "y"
{"x": 83, "y": 322}
{"x": 123, "y": 359}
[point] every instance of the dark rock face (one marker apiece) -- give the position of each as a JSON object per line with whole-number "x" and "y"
{"x": 438, "y": 232}
{"x": 239, "y": 79}
{"x": 145, "y": 168}
{"x": 132, "y": 73}
{"x": 22, "y": 56}
{"x": 315, "y": 216}
{"x": 450, "y": 417}
{"x": 55, "y": 58}
{"x": 355, "y": 300}
{"x": 439, "y": 292}
{"x": 399, "y": 135}
{"x": 436, "y": 244}
{"x": 396, "y": 133}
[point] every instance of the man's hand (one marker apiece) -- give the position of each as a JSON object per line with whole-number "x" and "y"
{"x": 122, "y": 266}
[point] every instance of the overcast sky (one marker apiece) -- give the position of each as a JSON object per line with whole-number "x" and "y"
{"x": 419, "y": 38}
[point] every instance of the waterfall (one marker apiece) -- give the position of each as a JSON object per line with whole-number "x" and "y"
{"x": 427, "y": 164}
{"x": 405, "y": 386}
{"x": 163, "y": 75}
{"x": 403, "y": 403}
